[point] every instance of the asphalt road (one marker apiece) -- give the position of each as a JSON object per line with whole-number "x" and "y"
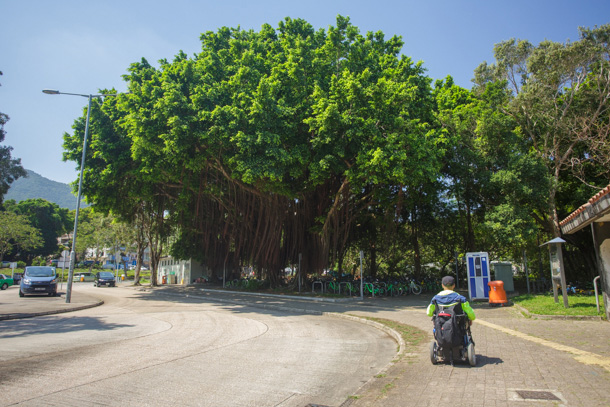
{"x": 139, "y": 349}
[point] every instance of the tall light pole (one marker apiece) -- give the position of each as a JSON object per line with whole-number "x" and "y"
{"x": 80, "y": 182}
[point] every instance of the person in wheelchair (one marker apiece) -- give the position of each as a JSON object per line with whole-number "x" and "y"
{"x": 452, "y": 316}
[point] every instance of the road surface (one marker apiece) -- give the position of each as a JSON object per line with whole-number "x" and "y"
{"x": 141, "y": 349}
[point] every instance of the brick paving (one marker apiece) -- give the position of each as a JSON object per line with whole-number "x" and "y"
{"x": 506, "y": 364}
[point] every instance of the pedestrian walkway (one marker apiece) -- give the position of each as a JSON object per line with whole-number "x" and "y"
{"x": 521, "y": 361}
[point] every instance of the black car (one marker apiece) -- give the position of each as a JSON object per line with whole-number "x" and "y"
{"x": 104, "y": 278}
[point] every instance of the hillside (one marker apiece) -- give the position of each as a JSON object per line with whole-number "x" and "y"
{"x": 37, "y": 186}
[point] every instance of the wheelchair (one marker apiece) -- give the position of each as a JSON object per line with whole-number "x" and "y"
{"x": 456, "y": 346}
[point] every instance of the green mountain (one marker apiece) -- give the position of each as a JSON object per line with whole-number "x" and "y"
{"x": 37, "y": 186}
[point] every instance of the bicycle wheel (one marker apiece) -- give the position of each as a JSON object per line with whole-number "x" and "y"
{"x": 416, "y": 289}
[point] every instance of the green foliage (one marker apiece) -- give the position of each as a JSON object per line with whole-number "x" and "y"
{"x": 290, "y": 119}
{"x": 49, "y": 219}
{"x": 290, "y": 141}
{"x": 16, "y": 233}
{"x": 558, "y": 99}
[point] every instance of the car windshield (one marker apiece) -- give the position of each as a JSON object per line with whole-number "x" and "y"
{"x": 40, "y": 271}
{"x": 106, "y": 274}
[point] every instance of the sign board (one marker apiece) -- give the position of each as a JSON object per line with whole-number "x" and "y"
{"x": 14, "y": 265}
{"x": 477, "y": 265}
{"x": 554, "y": 260}
{"x": 557, "y": 272}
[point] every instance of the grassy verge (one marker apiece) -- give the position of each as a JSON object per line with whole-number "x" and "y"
{"x": 544, "y": 304}
{"x": 411, "y": 335}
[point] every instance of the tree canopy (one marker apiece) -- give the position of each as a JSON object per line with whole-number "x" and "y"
{"x": 272, "y": 144}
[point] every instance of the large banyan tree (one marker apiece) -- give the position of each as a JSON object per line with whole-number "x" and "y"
{"x": 267, "y": 144}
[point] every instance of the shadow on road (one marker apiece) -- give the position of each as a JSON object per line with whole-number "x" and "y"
{"x": 277, "y": 305}
{"x": 54, "y": 324}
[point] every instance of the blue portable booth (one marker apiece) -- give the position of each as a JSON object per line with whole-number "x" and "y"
{"x": 478, "y": 275}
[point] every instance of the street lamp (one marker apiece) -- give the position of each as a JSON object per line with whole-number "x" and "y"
{"x": 80, "y": 182}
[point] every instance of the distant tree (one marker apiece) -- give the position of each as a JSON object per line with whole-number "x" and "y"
{"x": 10, "y": 168}
{"x": 16, "y": 233}
{"x": 560, "y": 101}
{"x": 50, "y": 220}
{"x": 499, "y": 187}
{"x": 93, "y": 233}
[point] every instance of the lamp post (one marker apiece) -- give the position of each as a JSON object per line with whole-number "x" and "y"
{"x": 80, "y": 183}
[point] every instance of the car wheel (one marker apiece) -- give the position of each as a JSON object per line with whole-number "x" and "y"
{"x": 4, "y": 286}
{"x": 20, "y": 293}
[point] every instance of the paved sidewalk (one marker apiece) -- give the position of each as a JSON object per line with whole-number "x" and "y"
{"x": 519, "y": 359}
{"x": 14, "y": 307}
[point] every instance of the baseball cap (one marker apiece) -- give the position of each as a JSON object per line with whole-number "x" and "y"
{"x": 448, "y": 281}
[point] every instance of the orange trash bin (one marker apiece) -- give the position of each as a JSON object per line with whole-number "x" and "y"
{"x": 497, "y": 295}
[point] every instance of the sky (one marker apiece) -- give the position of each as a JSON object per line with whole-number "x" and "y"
{"x": 83, "y": 46}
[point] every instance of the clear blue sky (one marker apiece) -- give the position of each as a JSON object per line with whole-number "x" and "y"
{"x": 82, "y": 46}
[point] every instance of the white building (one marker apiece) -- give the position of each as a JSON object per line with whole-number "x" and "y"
{"x": 183, "y": 272}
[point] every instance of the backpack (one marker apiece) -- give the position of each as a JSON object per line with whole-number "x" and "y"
{"x": 448, "y": 321}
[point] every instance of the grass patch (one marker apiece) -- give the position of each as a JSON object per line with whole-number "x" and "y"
{"x": 386, "y": 388}
{"x": 411, "y": 335}
{"x": 544, "y": 304}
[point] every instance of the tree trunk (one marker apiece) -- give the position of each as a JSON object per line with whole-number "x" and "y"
{"x": 470, "y": 241}
{"x": 373, "y": 261}
{"x": 416, "y": 251}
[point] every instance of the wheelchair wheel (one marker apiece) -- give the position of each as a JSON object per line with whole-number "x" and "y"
{"x": 472, "y": 357}
{"x": 433, "y": 353}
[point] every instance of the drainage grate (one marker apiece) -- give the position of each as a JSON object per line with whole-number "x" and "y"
{"x": 537, "y": 395}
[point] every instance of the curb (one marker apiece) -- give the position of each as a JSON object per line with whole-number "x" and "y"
{"x": 6, "y": 317}
{"x": 292, "y": 297}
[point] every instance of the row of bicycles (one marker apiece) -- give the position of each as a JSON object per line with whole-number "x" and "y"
{"x": 374, "y": 288}
{"x": 348, "y": 287}
{"x": 244, "y": 284}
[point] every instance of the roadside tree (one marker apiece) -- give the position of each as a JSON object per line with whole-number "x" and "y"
{"x": 16, "y": 233}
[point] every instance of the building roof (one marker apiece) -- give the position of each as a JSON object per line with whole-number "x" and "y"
{"x": 597, "y": 209}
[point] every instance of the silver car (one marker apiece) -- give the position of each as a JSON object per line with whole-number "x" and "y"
{"x": 38, "y": 280}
